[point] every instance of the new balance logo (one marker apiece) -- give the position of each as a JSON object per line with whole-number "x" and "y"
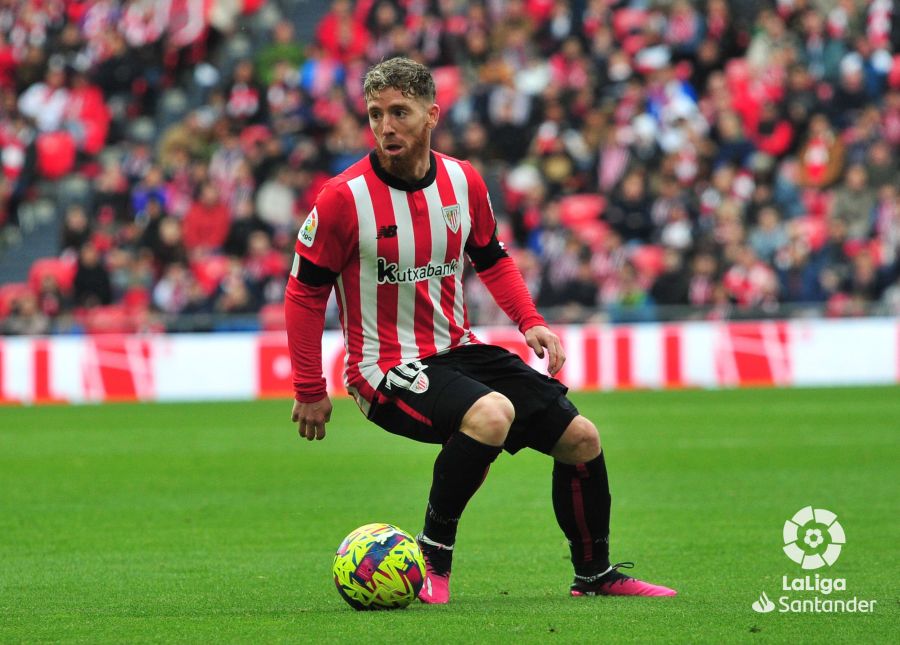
{"x": 386, "y": 232}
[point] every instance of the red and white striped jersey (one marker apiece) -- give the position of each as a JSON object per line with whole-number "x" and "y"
{"x": 397, "y": 250}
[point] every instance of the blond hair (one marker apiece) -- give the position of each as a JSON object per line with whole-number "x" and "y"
{"x": 412, "y": 79}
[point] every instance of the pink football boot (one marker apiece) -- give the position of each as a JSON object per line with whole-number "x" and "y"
{"x": 614, "y": 583}
{"x": 436, "y": 588}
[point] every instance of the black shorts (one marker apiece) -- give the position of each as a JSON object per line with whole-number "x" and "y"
{"x": 426, "y": 400}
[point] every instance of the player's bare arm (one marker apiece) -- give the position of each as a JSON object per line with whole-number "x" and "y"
{"x": 539, "y": 337}
{"x": 312, "y": 417}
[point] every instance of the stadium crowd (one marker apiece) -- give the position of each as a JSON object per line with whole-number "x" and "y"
{"x": 729, "y": 158}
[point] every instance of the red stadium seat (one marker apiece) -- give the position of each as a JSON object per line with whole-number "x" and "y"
{"x": 446, "y": 80}
{"x": 648, "y": 260}
{"x": 109, "y": 319}
{"x": 271, "y": 317}
{"x": 737, "y": 71}
{"x": 592, "y": 233}
{"x": 63, "y": 270}
{"x": 627, "y": 22}
{"x": 817, "y": 202}
{"x": 136, "y": 299}
{"x": 209, "y": 271}
{"x": 854, "y": 247}
{"x": 894, "y": 74}
{"x": 577, "y": 209}
{"x": 9, "y": 293}
{"x": 55, "y": 154}
{"x": 504, "y": 231}
{"x": 815, "y": 230}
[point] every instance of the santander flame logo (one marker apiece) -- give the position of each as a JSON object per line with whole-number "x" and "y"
{"x": 763, "y": 605}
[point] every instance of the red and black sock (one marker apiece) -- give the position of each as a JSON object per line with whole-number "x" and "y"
{"x": 581, "y": 502}
{"x": 459, "y": 470}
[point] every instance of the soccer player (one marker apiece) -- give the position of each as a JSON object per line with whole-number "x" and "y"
{"x": 389, "y": 234}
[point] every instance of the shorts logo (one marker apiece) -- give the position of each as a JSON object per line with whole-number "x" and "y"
{"x": 410, "y": 377}
{"x": 307, "y": 234}
{"x": 451, "y": 216}
{"x": 813, "y": 538}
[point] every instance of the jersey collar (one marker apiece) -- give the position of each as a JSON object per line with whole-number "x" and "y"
{"x": 400, "y": 184}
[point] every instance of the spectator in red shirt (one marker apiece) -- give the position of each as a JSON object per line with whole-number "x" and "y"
{"x": 86, "y": 114}
{"x": 7, "y": 64}
{"x": 774, "y": 133}
{"x": 207, "y": 221}
{"x": 245, "y": 97}
{"x": 750, "y": 282}
{"x": 822, "y": 156}
{"x": 340, "y": 34}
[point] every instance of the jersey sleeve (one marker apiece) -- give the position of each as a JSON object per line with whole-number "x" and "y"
{"x": 304, "y": 312}
{"x": 484, "y": 224}
{"x": 482, "y": 246}
{"x": 322, "y": 250}
{"x": 324, "y": 238}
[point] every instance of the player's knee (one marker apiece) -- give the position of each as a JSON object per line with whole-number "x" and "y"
{"x": 580, "y": 442}
{"x": 489, "y": 419}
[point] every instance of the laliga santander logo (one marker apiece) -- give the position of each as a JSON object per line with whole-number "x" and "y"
{"x": 813, "y": 538}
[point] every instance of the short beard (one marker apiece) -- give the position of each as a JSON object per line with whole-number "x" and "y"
{"x": 404, "y": 167}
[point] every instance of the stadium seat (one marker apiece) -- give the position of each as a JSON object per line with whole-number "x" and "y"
{"x": 648, "y": 260}
{"x": 815, "y": 230}
{"x": 627, "y": 22}
{"x": 577, "y": 209}
{"x": 854, "y": 247}
{"x": 592, "y": 233}
{"x": 55, "y": 154}
{"x": 253, "y": 134}
{"x": 209, "y": 271}
{"x": 63, "y": 270}
{"x": 173, "y": 106}
{"x": 737, "y": 71}
{"x": 446, "y": 80}
{"x": 817, "y": 202}
{"x": 74, "y": 189}
{"x": 894, "y": 74}
{"x": 504, "y": 230}
{"x": 9, "y": 293}
{"x": 108, "y": 319}
{"x": 136, "y": 299}
{"x": 142, "y": 129}
{"x": 271, "y": 317}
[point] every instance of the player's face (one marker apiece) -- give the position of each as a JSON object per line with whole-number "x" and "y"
{"x": 402, "y": 126}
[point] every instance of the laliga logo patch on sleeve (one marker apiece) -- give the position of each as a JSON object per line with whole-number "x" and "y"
{"x": 307, "y": 234}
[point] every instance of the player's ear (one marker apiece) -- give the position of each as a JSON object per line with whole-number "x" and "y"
{"x": 434, "y": 113}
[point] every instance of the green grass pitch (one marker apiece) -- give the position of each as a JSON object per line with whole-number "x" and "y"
{"x": 216, "y": 523}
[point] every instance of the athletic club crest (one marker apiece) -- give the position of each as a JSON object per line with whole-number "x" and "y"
{"x": 451, "y": 216}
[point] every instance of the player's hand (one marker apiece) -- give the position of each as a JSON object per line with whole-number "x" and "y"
{"x": 312, "y": 417}
{"x": 538, "y": 338}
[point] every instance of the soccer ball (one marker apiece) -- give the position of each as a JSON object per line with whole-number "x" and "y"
{"x": 378, "y": 566}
